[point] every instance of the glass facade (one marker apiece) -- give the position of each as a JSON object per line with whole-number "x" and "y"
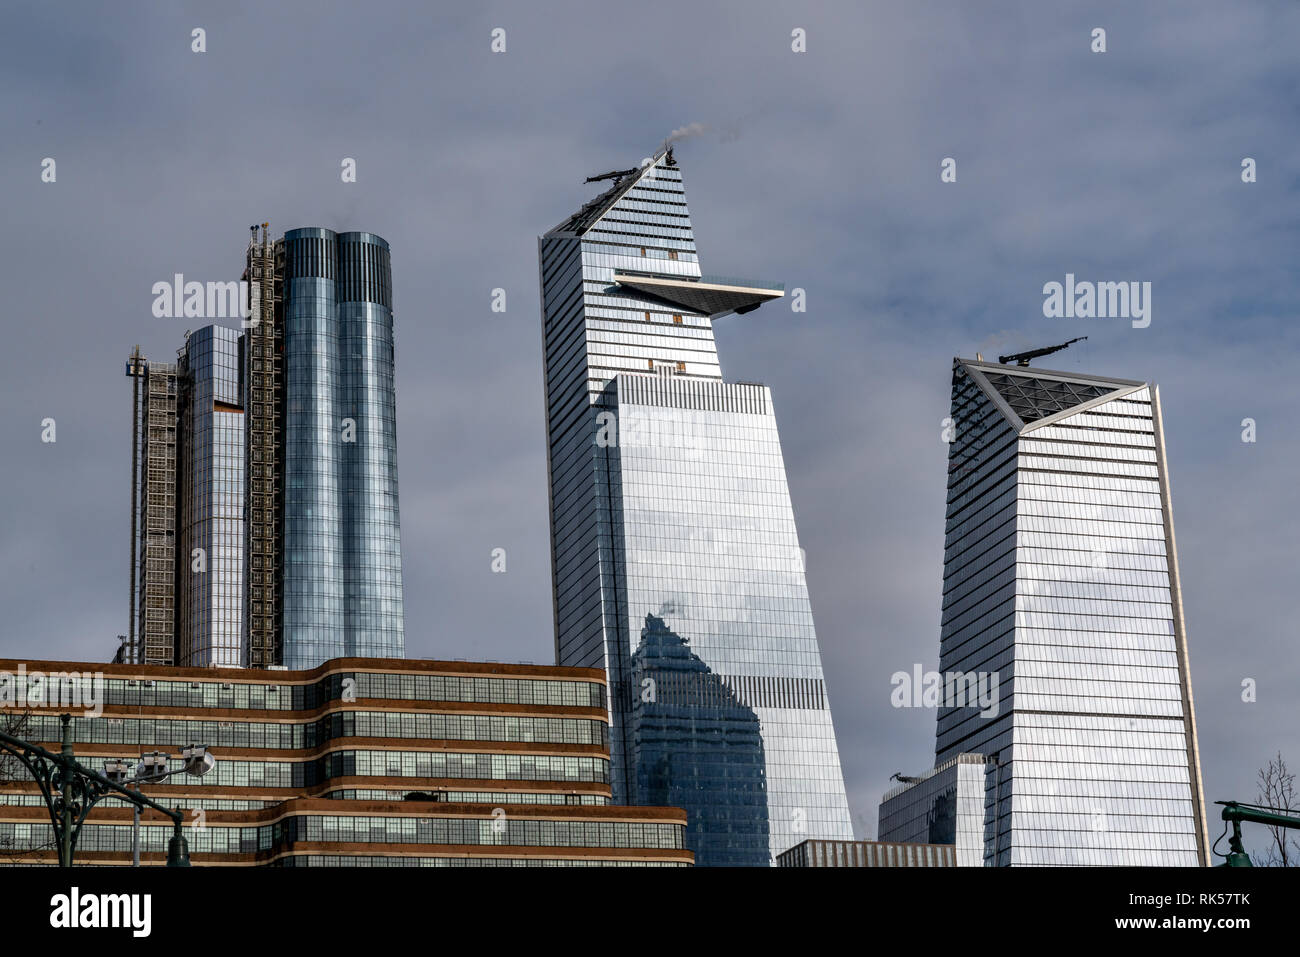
{"x": 695, "y": 744}
{"x": 948, "y": 805}
{"x": 675, "y": 556}
{"x": 282, "y": 735}
{"x": 868, "y": 854}
{"x": 342, "y": 566}
{"x": 442, "y": 765}
{"x": 261, "y": 695}
{"x": 1060, "y": 576}
{"x": 361, "y": 829}
{"x": 210, "y": 572}
{"x": 335, "y": 860}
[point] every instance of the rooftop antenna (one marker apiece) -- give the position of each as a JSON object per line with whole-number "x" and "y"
{"x": 1022, "y": 358}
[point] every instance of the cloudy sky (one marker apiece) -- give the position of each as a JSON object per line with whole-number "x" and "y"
{"x": 819, "y": 169}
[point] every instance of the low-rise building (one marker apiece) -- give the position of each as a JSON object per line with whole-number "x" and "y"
{"x": 815, "y": 853}
{"x": 360, "y": 761}
{"x": 949, "y": 804}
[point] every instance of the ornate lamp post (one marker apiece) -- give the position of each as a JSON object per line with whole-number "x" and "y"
{"x": 152, "y": 769}
{"x": 71, "y": 790}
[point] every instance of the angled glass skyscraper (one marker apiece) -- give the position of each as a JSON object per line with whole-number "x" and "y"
{"x": 1061, "y": 576}
{"x": 675, "y": 558}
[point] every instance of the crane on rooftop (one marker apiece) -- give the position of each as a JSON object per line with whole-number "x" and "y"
{"x": 613, "y": 174}
{"x": 1022, "y": 358}
{"x": 618, "y": 174}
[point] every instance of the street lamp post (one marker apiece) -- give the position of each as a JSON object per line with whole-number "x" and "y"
{"x": 71, "y": 790}
{"x": 118, "y": 772}
{"x": 152, "y": 769}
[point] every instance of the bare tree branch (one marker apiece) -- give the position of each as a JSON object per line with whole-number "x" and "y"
{"x": 17, "y": 724}
{"x": 1277, "y": 790}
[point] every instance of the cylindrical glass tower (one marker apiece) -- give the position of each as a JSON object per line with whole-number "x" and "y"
{"x": 372, "y": 580}
{"x": 342, "y": 554}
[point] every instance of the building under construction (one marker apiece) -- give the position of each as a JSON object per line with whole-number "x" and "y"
{"x": 259, "y": 538}
{"x": 264, "y": 431}
{"x": 151, "y": 639}
{"x": 206, "y": 480}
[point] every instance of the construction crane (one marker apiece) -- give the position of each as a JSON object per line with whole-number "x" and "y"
{"x": 618, "y": 174}
{"x": 613, "y": 174}
{"x": 1234, "y": 812}
{"x": 1022, "y": 358}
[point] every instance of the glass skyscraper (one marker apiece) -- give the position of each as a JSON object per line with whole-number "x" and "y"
{"x": 210, "y": 564}
{"x": 272, "y": 537}
{"x": 1061, "y": 576}
{"x": 675, "y": 559}
{"x": 342, "y": 564}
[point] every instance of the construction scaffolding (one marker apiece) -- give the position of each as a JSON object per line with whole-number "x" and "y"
{"x": 135, "y": 365}
{"x": 264, "y": 491}
{"x": 152, "y": 640}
